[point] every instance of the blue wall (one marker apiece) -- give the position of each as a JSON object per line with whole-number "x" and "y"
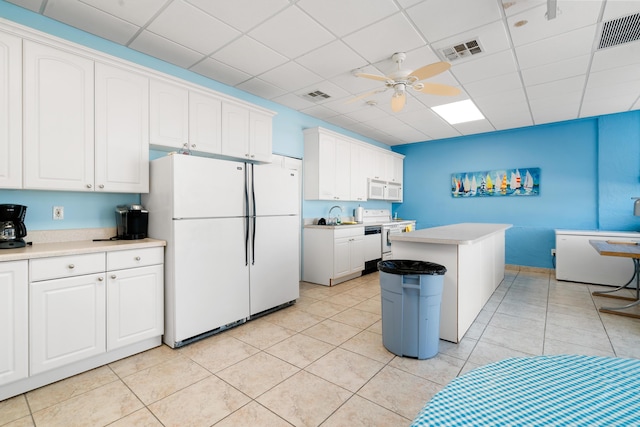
{"x": 89, "y": 210}
{"x": 589, "y": 170}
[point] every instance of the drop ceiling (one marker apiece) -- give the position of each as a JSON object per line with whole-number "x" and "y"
{"x": 531, "y": 70}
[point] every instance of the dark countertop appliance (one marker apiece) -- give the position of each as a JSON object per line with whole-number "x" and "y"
{"x": 12, "y": 228}
{"x": 132, "y": 222}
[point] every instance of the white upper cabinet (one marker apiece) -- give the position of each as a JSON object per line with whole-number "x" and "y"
{"x": 122, "y": 130}
{"x": 246, "y": 134}
{"x": 58, "y": 119}
{"x": 205, "y": 118}
{"x": 358, "y": 173}
{"x": 169, "y": 115}
{"x": 10, "y": 111}
{"x": 397, "y": 165}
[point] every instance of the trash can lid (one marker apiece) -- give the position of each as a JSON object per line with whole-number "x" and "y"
{"x": 405, "y": 266}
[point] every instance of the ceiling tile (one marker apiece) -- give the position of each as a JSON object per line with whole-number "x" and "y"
{"x": 510, "y": 117}
{"x": 353, "y": 84}
{"x": 485, "y": 67}
{"x": 218, "y": 71}
{"x": 352, "y": 15}
{"x": 88, "y": 18}
{"x": 159, "y": 47}
{"x": 241, "y": 14}
{"x": 624, "y": 54}
{"x": 249, "y": 56}
{"x": 293, "y": 101}
{"x": 261, "y": 88}
{"x": 382, "y": 39}
{"x": 331, "y": 59}
{"x": 342, "y": 121}
{"x": 514, "y": 7}
{"x": 461, "y": 15}
{"x": 629, "y": 73}
{"x": 138, "y": 12}
{"x": 367, "y": 114}
{"x": 558, "y": 87}
{"x": 573, "y": 15}
{"x": 292, "y": 33}
{"x": 555, "y": 108}
{"x": 204, "y": 34}
{"x": 494, "y": 85}
{"x": 606, "y": 105}
{"x": 512, "y": 97}
{"x": 475, "y": 127}
{"x": 291, "y": 76}
{"x": 556, "y": 71}
{"x": 319, "y": 112}
{"x": 618, "y": 8}
{"x": 553, "y": 49}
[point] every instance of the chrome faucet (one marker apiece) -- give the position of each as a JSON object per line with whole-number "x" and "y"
{"x": 335, "y": 221}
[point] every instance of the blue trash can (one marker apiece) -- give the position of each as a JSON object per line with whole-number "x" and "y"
{"x": 411, "y": 293}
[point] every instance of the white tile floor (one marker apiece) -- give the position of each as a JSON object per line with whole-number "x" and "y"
{"x": 321, "y": 362}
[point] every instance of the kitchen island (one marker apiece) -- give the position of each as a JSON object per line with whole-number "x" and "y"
{"x": 473, "y": 254}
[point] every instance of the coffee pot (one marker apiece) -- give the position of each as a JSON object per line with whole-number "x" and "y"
{"x": 12, "y": 228}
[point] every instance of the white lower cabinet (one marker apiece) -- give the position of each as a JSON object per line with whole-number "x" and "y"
{"x": 67, "y": 320}
{"x": 135, "y": 296}
{"x": 332, "y": 254}
{"x": 85, "y": 305}
{"x": 14, "y": 321}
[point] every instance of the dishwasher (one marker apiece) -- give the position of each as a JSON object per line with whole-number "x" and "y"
{"x": 372, "y": 248}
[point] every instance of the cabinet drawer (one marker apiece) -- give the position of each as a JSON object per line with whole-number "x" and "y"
{"x": 348, "y": 232}
{"x": 66, "y": 266}
{"x": 118, "y": 260}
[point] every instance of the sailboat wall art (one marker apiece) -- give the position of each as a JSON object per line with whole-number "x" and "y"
{"x": 508, "y": 182}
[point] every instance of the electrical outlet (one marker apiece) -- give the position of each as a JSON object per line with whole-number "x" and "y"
{"x": 553, "y": 252}
{"x": 58, "y": 212}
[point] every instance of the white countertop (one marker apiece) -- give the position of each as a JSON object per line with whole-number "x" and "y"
{"x": 42, "y": 250}
{"x": 455, "y": 234}
{"x": 596, "y": 233}
{"x": 333, "y": 227}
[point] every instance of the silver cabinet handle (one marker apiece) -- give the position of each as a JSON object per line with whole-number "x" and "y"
{"x": 137, "y": 258}
{"x": 101, "y": 186}
{"x": 89, "y": 186}
{"x": 193, "y": 145}
{"x": 113, "y": 276}
{"x": 100, "y": 279}
{"x": 71, "y": 266}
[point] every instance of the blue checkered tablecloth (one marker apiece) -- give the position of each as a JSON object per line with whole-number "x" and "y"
{"x": 566, "y": 390}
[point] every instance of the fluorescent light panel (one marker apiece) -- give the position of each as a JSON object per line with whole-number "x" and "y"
{"x": 459, "y": 112}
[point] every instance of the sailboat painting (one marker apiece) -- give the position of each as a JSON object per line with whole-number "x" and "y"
{"x": 509, "y": 182}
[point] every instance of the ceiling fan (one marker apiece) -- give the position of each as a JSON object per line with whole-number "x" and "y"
{"x": 400, "y": 80}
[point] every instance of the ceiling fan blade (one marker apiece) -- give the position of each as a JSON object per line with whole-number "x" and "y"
{"x": 397, "y": 101}
{"x": 372, "y": 76}
{"x": 439, "y": 89}
{"x": 365, "y": 95}
{"x": 430, "y": 70}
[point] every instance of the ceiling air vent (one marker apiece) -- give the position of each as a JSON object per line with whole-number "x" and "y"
{"x": 619, "y": 31}
{"x": 316, "y": 96}
{"x": 461, "y": 50}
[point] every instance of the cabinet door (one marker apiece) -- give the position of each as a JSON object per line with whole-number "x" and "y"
{"x": 260, "y": 136}
{"x": 10, "y": 111}
{"x": 358, "y": 175}
{"x": 326, "y": 167}
{"x": 341, "y": 254}
{"x": 398, "y": 169}
{"x": 122, "y": 131}
{"x": 342, "y": 161}
{"x": 67, "y": 321}
{"x": 135, "y": 305}
{"x": 14, "y": 326}
{"x": 58, "y": 119}
{"x": 356, "y": 253}
{"x": 168, "y": 115}
{"x": 235, "y": 131}
{"x": 205, "y": 123}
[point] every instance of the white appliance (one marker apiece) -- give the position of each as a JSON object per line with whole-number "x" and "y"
{"x": 233, "y": 240}
{"x": 381, "y": 218}
{"x": 578, "y": 261}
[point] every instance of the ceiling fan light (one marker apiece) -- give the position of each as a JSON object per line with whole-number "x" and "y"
{"x": 397, "y": 101}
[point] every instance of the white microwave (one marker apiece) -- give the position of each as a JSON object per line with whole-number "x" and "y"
{"x": 376, "y": 189}
{"x": 393, "y": 191}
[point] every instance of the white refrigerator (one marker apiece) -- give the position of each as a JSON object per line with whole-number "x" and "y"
{"x": 233, "y": 240}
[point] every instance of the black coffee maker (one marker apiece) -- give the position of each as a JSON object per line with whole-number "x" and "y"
{"x": 12, "y": 228}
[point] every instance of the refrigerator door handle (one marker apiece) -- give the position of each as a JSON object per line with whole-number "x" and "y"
{"x": 253, "y": 233}
{"x": 247, "y": 213}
